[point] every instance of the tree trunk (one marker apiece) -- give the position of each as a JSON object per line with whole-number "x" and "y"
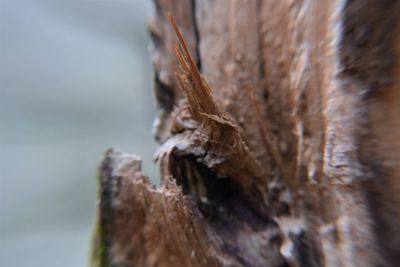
{"x": 284, "y": 151}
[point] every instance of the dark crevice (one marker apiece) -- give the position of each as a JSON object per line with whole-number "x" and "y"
{"x": 203, "y": 183}
{"x": 164, "y": 94}
{"x": 366, "y": 46}
{"x": 196, "y": 34}
{"x": 306, "y": 252}
{"x": 261, "y": 65}
{"x": 373, "y": 190}
{"x": 155, "y": 37}
{"x": 232, "y": 211}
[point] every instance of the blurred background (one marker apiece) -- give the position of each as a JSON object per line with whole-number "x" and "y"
{"x": 75, "y": 79}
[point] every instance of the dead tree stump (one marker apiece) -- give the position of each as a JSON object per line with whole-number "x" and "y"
{"x": 284, "y": 151}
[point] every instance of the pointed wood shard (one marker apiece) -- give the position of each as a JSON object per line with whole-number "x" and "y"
{"x": 215, "y": 141}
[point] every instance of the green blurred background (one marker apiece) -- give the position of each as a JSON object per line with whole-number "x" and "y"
{"x": 75, "y": 79}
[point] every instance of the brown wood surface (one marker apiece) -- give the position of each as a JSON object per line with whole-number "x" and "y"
{"x": 279, "y": 132}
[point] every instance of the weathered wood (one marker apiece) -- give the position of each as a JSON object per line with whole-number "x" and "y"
{"x": 285, "y": 151}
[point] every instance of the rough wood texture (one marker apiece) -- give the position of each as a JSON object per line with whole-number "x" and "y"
{"x": 279, "y": 131}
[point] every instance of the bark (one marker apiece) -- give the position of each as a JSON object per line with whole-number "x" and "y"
{"x": 279, "y": 129}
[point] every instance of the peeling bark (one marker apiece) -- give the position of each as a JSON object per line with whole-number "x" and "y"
{"x": 279, "y": 126}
